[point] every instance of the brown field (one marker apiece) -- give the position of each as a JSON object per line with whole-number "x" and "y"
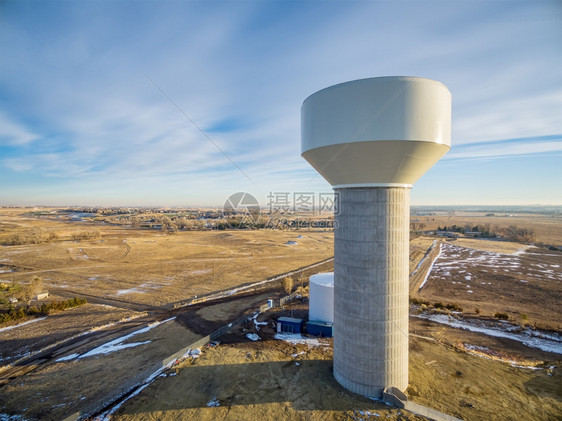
{"x": 61, "y": 388}
{"x": 521, "y": 282}
{"x": 272, "y": 379}
{"x": 150, "y": 267}
{"x": 547, "y": 228}
{"x": 142, "y": 273}
{"x": 56, "y": 328}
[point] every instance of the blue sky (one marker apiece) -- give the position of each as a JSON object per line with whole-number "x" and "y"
{"x": 181, "y": 103}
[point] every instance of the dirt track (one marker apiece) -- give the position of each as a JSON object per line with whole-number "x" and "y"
{"x": 116, "y": 371}
{"x": 272, "y": 379}
{"x": 56, "y": 389}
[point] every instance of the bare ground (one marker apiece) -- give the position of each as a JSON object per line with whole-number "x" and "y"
{"x": 60, "y": 388}
{"x": 547, "y": 228}
{"x": 497, "y": 282}
{"x": 148, "y": 266}
{"x": 166, "y": 269}
{"x": 272, "y": 379}
{"x": 57, "y": 328}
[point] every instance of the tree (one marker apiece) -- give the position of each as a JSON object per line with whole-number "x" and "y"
{"x": 182, "y": 223}
{"x": 168, "y": 225}
{"x": 288, "y": 284}
{"x": 522, "y": 235}
{"x": 29, "y": 291}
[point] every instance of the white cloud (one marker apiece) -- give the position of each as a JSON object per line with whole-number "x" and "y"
{"x": 98, "y": 117}
{"x": 505, "y": 149}
{"x": 14, "y": 134}
{"x": 502, "y": 118}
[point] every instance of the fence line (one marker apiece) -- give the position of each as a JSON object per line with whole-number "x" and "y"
{"x": 288, "y": 298}
{"x": 142, "y": 379}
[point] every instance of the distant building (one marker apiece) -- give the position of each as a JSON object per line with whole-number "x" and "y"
{"x": 42, "y": 296}
{"x": 472, "y": 234}
{"x": 448, "y": 234}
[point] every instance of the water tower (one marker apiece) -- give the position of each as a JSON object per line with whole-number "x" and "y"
{"x": 371, "y": 139}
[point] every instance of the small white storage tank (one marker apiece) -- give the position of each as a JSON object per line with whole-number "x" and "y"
{"x": 321, "y": 297}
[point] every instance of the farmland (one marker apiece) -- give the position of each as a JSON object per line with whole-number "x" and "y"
{"x": 150, "y": 267}
{"x": 137, "y": 282}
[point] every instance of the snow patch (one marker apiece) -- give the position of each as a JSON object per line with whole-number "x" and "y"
{"x": 130, "y": 291}
{"x": 107, "y": 415}
{"x": 22, "y": 324}
{"x": 529, "y": 337}
{"x": 484, "y": 352}
{"x": 200, "y": 271}
{"x": 68, "y": 358}
{"x": 424, "y": 257}
{"x": 430, "y": 268}
{"x": 117, "y": 344}
{"x": 297, "y": 338}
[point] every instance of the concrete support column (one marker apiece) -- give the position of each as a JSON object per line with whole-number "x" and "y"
{"x": 371, "y": 289}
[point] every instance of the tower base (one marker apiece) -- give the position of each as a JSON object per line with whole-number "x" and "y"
{"x": 371, "y": 242}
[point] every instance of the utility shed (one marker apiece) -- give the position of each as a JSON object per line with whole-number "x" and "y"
{"x": 42, "y": 296}
{"x": 318, "y": 328}
{"x": 289, "y": 325}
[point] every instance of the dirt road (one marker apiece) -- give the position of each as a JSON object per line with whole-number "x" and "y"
{"x": 69, "y": 381}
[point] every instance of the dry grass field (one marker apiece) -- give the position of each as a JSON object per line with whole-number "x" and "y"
{"x": 138, "y": 271}
{"x": 64, "y": 386}
{"x": 547, "y": 228}
{"x": 148, "y": 266}
{"x": 57, "y": 327}
{"x": 273, "y": 379}
{"x": 489, "y": 277}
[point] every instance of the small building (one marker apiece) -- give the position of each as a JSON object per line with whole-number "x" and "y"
{"x": 318, "y": 328}
{"x": 42, "y": 296}
{"x": 289, "y": 325}
{"x": 472, "y": 234}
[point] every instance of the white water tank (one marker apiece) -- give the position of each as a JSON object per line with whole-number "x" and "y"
{"x": 372, "y": 139}
{"x": 321, "y": 297}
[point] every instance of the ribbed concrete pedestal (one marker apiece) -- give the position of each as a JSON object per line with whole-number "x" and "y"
{"x": 371, "y": 289}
